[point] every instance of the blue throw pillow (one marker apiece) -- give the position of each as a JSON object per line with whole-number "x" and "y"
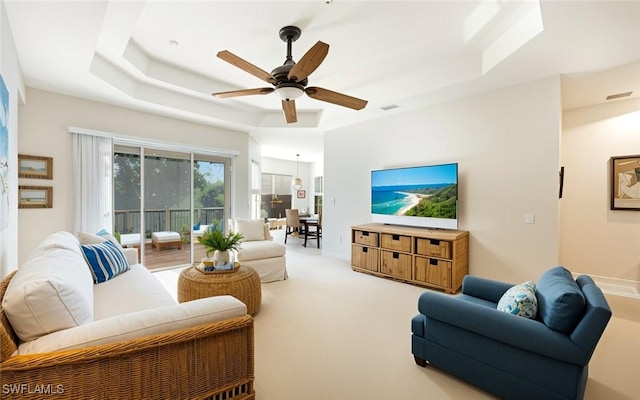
{"x": 105, "y": 260}
{"x": 561, "y": 303}
{"x": 196, "y": 226}
{"x": 520, "y": 300}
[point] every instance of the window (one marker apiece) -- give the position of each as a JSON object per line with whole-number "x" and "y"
{"x": 256, "y": 209}
{"x": 275, "y": 195}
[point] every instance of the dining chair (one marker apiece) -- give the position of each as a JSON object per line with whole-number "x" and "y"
{"x": 294, "y": 228}
{"x": 313, "y": 230}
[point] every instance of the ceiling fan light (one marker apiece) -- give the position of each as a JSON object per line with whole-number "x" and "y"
{"x": 289, "y": 92}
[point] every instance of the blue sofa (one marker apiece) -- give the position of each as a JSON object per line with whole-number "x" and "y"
{"x": 509, "y": 355}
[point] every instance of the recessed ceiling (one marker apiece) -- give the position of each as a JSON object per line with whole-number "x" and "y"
{"x": 160, "y": 56}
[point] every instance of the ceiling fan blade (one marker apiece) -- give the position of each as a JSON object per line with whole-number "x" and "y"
{"x": 246, "y": 66}
{"x": 309, "y": 62}
{"x": 289, "y": 108}
{"x": 336, "y": 98}
{"x": 243, "y": 92}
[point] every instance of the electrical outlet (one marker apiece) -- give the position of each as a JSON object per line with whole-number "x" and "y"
{"x": 529, "y": 219}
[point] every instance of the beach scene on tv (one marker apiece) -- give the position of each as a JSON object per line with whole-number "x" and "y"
{"x": 429, "y": 191}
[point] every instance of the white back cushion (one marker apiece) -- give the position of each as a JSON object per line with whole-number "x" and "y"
{"x": 251, "y": 229}
{"x": 50, "y": 292}
{"x": 136, "y": 290}
{"x": 58, "y": 240}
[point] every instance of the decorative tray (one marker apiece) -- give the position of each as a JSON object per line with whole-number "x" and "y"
{"x": 218, "y": 269}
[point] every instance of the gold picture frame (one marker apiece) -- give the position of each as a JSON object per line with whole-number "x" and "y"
{"x": 625, "y": 183}
{"x": 35, "y": 167}
{"x": 35, "y": 197}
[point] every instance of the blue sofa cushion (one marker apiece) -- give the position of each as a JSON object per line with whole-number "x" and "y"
{"x": 520, "y": 300}
{"x": 561, "y": 303}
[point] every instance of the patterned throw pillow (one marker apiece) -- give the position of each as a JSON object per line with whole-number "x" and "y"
{"x": 105, "y": 260}
{"x": 520, "y": 300}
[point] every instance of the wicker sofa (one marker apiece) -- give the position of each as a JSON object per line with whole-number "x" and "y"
{"x": 138, "y": 344}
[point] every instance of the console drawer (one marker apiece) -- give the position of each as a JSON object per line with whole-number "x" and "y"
{"x": 365, "y": 237}
{"x": 364, "y": 257}
{"x": 433, "y": 271}
{"x": 397, "y": 265}
{"x": 433, "y": 247}
{"x": 396, "y": 242}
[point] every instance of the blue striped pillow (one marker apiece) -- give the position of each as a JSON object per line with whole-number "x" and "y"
{"x": 105, "y": 260}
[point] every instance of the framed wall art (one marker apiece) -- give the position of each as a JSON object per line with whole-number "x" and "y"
{"x": 301, "y": 194}
{"x": 35, "y": 167}
{"x": 35, "y": 197}
{"x": 625, "y": 183}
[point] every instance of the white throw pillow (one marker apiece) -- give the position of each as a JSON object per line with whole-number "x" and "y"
{"x": 251, "y": 229}
{"x": 48, "y": 293}
{"x": 100, "y": 237}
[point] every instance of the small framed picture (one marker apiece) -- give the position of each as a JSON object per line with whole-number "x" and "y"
{"x": 35, "y": 167}
{"x": 625, "y": 183}
{"x": 301, "y": 194}
{"x": 35, "y": 197}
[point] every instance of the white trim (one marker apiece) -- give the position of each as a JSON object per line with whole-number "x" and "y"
{"x": 131, "y": 140}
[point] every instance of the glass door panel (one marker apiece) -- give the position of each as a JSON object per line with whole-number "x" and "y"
{"x": 126, "y": 196}
{"x": 210, "y": 199}
{"x": 167, "y": 207}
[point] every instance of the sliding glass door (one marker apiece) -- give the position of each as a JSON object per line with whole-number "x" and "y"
{"x": 162, "y": 197}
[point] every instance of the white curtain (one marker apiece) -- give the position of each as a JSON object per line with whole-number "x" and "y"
{"x": 92, "y": 170}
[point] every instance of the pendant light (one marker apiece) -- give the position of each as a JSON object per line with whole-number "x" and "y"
{"x": 297, "y": 183}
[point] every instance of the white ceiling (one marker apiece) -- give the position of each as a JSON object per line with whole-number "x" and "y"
{"x": 395, "y": 53}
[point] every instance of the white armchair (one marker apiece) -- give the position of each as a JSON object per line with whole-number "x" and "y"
{"x": 259, "y": 251}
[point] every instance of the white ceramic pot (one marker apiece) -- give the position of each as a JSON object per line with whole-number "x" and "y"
{"x": 221, "y": 257}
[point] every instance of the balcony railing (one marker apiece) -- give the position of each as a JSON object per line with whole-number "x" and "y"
{"x": 128, "y": 221}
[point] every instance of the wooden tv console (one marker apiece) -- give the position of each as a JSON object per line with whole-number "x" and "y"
{"x": 421, "y": 256}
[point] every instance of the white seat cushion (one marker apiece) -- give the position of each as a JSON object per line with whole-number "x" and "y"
{"x": 135, "y": 290}
{"x": 260, "y": 249}
{"x": 50, "y": 292}
{"x": 162, "y": 237}
{"x": 130, "y": 239}
{"x": 139, "y": 324}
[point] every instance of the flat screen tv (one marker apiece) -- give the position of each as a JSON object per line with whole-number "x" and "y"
{"x": 425, "y": 196}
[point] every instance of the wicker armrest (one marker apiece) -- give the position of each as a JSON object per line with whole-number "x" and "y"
{"x": 196, "y": 362}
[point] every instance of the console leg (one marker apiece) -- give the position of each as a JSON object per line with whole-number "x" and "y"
{"x": 420, "y": 361}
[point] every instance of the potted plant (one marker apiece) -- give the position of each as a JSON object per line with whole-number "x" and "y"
{"x": 220, "y": 244}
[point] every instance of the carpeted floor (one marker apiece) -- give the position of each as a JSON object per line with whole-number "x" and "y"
{"x": 331, "y": 333}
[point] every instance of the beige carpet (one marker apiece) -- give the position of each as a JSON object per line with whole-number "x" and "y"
{"x": 331, "y": 333}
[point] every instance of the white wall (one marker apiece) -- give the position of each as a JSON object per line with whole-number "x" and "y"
{"x": 507, "y": 145}
{"x": 44, "y": 121}
{"x": 593, "y": 238}
{"x": 12, "y": 77}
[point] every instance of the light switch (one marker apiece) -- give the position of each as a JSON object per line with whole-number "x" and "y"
{"x": 529, "y": 219}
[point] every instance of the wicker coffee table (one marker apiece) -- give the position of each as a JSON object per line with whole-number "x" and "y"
{"x": 242, "y": 283}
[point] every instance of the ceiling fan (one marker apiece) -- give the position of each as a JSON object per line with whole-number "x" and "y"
{"x": 290, "y": 79}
